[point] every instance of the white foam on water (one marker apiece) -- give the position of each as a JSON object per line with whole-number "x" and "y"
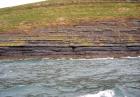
{"x": 107, "y": 58}
{"x": 129, "y": 57}
{"x": 11, "y": 3}
{"x": 93, "y": 58}
{"x": 106, "y": 93}
{"x": 81, "y": 58}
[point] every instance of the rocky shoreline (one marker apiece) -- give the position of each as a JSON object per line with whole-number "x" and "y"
{"x": 83, "y": 40}
{"x": 67, "y": 52}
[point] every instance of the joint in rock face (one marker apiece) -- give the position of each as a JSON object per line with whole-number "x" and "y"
{"x": 73, "y": 48}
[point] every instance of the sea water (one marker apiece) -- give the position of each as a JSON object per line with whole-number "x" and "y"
{"x": 70, "y": 78}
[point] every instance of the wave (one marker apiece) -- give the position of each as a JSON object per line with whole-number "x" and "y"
{"x": 129, "y": 57}
{"x": 118, "y": 91}
{"x": 80, "y": 58}
{"x": 107, "y": 58}
{"x": 106, "y": 93}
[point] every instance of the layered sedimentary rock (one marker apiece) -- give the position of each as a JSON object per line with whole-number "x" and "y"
{"x": 96, "y": 39}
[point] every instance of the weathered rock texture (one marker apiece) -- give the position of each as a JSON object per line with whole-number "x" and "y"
{"x": 86, "y": 39}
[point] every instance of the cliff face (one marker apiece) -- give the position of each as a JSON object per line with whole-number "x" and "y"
{"x": 86, "y": 39}
{"x": 71, "y": 28}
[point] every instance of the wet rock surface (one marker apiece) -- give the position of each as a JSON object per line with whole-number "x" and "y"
{"x": 98, "y": 38}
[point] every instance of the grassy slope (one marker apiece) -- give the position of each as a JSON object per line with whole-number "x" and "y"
{"x": 43, "y": 14}
{"x": 61, "y": 12}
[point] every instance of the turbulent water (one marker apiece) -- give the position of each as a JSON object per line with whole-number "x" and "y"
{"x": 70, "y": 78}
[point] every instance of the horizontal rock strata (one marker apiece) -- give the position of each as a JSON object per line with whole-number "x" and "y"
{"x": 96, "y": 39}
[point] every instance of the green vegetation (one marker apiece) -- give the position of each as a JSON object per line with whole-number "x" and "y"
{"x": 54, "y": 13}
{"x": 63, "y": 12}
